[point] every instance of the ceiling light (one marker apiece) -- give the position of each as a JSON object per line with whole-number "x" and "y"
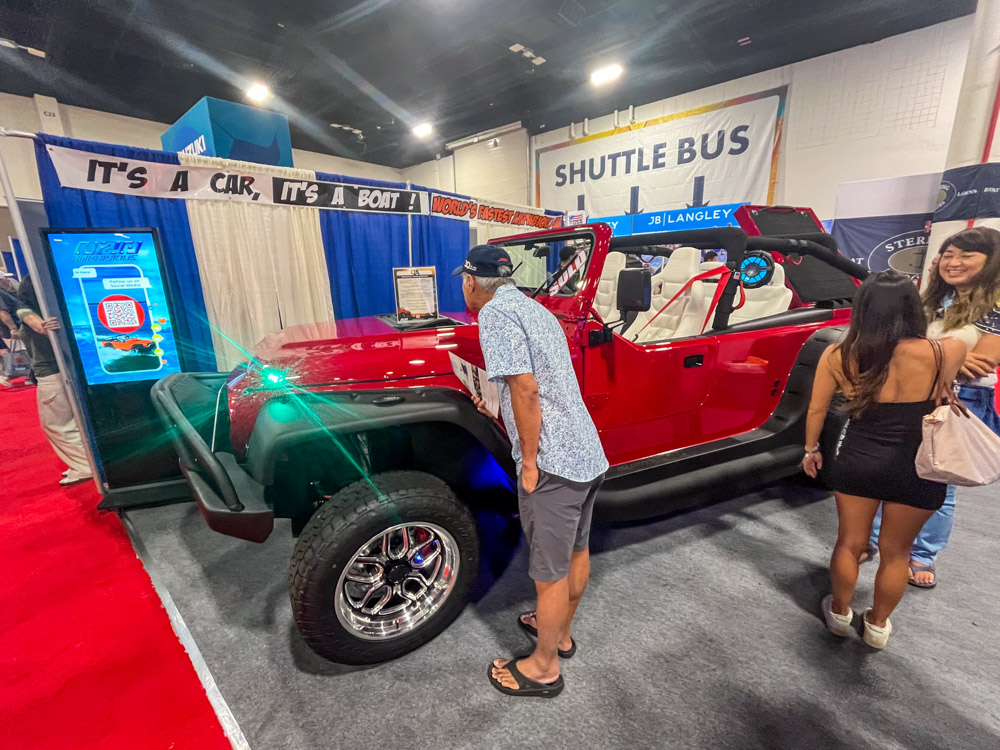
{"x": 516, "y": 47}
{"x": 606, "y": 74}
{"x": 35, "y": 52}
{"x": 423, "y": 130}
{"x": 8, "y": 44}
{"x": 258, "y": 92}
{"x": 537, "y": 60}
{"x": 744, "y": 41}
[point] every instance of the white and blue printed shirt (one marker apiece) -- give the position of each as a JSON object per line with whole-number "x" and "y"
{"x": 518, "y": 336}
{"x": 969, "y": 335}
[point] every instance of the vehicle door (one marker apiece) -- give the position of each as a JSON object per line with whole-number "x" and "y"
{"x": 645, "y": 399}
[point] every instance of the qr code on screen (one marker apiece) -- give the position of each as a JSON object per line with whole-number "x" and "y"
{"x": 121, "y": 314}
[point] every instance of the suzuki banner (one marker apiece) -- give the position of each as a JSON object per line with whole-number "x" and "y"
{"x": 85, "y": 170}
{"x": 725, "y": 153}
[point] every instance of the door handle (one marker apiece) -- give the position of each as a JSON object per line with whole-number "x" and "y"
{"x": 695, "y": 360}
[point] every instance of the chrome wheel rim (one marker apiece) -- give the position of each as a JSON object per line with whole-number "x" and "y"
{"x": 397, "y": 581}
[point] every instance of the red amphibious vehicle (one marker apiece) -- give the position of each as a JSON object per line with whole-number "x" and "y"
{"x": 696, "y": 374}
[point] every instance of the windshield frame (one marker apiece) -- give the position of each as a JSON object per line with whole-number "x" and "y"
{"x": 576, "y": 233}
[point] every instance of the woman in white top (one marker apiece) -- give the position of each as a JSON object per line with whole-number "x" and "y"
{"x": 962, "y": 300}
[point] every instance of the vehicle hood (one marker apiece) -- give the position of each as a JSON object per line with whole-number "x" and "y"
{"x": 367, "y": 350}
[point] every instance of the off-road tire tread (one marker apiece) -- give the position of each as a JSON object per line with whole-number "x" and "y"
{"x": 343, "y": 516}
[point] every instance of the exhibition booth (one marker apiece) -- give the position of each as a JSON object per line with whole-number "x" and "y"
{"x": 223, "y": 253}
{"x": 314, "y": 520}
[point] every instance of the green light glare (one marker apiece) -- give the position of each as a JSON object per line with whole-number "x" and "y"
{"x": 273, "y": 377}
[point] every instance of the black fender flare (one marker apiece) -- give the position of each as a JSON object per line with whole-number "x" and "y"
{"x": 288, "y": 420}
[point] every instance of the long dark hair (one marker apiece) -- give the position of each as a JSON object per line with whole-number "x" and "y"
{"x": 887, "y": 309}
{"x": 986, "y": 290}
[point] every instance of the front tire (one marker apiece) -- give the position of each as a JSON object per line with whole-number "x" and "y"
{"x": 383, "y": 567}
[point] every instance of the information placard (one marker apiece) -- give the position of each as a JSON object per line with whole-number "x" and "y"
{"x": 118, "y": 316}
{"x": 416, "y": 293}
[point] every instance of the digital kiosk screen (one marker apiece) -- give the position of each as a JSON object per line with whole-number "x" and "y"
{"x": 112, "y": 285}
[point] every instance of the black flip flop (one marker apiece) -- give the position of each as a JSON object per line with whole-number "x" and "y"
{"x": 533, "y": 632}
{"x": 526, "y": 687}
{"x": 922, "y": 568}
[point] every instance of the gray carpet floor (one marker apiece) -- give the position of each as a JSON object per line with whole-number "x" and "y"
{"x": 699, "y": 631}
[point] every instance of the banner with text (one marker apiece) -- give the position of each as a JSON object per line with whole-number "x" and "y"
{"x": 971, "y": 192}
{"x": 882, "y": 242}
{"x": 85, "y": 170}
{"x": 471, "y": 209}
{"x": 720, "y": 154}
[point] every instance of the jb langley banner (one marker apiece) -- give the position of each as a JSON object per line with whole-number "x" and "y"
{"x": 721, "y": 154}
{"x": 88, "y": 171}
{"x": 471, "y": 209}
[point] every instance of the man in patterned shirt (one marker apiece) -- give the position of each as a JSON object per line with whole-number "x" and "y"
{"x": 559, "y": 458}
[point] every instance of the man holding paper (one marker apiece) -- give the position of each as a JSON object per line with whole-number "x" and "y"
{"x": 558, "y": 453}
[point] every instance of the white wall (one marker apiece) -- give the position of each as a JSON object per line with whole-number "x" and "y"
{"x": 339, "y": 165}
{"x": 880, "y": 110}
{"x": 497, "y": 173}
{"x": 439, "y": 174}
{"x": 19, "y": 113}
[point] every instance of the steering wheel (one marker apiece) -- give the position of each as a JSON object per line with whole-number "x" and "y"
{"x": 756, "y": 270}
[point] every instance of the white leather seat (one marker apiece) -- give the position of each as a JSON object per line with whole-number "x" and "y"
{"x": 771, "y": 299}
{"x": 606, "y": 299}
{"x": 708, "y": 265}
{"x": 678, "y": 319}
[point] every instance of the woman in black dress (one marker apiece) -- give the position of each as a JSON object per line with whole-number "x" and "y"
{"x": 892, "y": 376}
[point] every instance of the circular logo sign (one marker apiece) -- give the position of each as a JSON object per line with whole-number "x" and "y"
{"x": 946, "y": 194}
{"x": 903, "y": 252}
{"x": 120, "y": 313}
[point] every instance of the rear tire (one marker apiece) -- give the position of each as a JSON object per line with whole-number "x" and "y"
{"x": 345, "y": 542}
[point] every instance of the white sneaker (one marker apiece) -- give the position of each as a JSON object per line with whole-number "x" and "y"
{"x": 875, "y": 636}
{"x": 5, "y": 382}
{"x": 838, "y": 624}
{"x": 66, "y": 473}
{"x": 69, "y": 479}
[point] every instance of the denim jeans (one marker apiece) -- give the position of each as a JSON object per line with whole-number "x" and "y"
{"x": 934, "y": 536}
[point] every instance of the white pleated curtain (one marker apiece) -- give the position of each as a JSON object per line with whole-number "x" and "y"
{"x": 262, "y": 267}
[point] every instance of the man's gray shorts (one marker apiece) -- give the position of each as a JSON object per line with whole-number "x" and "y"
{"x": 556, "y": 519}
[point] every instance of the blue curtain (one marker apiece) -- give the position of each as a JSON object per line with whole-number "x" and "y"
{"x": 68, "y": 207}
{"x": 361, "y": 251}
{"x": 18, "y": 266}
{"x": 442, "y": 243}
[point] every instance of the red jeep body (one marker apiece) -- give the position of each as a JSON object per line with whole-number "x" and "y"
{"x": 323, "y": 411}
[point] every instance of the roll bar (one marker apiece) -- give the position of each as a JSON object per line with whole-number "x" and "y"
{"x": 736, "y": 243}
{"x": 820, "y": 246}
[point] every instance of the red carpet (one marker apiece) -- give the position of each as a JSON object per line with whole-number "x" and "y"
{"x": 87, "y": 655}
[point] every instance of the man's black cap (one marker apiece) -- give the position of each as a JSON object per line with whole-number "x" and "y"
{"x": 490, "y": 261}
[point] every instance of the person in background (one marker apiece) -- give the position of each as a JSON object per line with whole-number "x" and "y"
{"x": 54, "y": 410}
{"x": 8, "y": 321}
{"x": 962, "y": 300}
{"x": 559, "y": 458}
{"x": 892, "y": 375}
{"x": 710, "y": 256}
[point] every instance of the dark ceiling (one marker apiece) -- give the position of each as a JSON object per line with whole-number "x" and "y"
{"x": 382, "y": 65}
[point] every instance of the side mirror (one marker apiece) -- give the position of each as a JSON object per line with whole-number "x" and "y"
{"x": 541, "y": 251}
{"x": 635, "y": 290}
